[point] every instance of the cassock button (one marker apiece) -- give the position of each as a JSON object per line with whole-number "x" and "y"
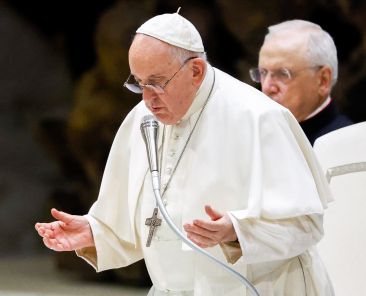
{"x": 168, "y": 170}
{"x": 176, "y": 136}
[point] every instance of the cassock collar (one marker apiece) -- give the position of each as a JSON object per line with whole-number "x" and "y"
{"x": 202, "y": 93}
{"x": 320, "y": 108}
{"x": 318, "y": 124}
{"x": 321, "y": 119}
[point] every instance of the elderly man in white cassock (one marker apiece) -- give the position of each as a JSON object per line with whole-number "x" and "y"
{"x": 238, "y": 177}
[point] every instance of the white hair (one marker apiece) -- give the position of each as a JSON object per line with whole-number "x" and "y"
{"x": 321, "y": 50}
{"x": 183, "y": 54}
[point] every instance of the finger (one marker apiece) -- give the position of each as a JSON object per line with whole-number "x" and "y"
{"x": 58, "y": 246}
{"x": 62, "y": 216}
{"x": 209, "y": 225}
{"x": 214, "y": 215}
{"x": 49, "y": 233}
{"x": 49, "y": 243}
{"x": 43, "y": 226}
{"x": 54, "y": 244}
{"x": 201, "y": 241}
{"x": 44, "y": 231}
{"x": 199, "y": 230}
{"x": 40, "y": 230}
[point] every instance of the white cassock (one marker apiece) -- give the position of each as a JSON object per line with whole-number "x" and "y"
{"x": 247, "y": 156}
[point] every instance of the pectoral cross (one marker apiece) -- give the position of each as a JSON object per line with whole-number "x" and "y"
{"x": 153, "y": 222}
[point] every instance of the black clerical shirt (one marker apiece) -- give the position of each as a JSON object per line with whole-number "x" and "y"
{"x": 327, "y": 120}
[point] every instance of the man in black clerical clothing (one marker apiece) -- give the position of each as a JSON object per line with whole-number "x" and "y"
{"x": 298, "y": 68}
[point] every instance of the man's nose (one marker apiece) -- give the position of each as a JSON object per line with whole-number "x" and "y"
{"x": 269, "y": 84}
{"x": 148, "y": 94}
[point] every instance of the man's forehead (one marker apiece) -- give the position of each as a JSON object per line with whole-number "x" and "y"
{"x": 149, "y": 48}
{"x": 149, "y": 58}
{"x": 283, "y": 52}
{"x": 286, "y": 42}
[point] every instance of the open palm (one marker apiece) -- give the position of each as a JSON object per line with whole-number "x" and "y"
{"x": 68, "y": 233}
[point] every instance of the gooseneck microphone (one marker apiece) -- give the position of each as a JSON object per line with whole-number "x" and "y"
{"x": 150, "y": 130}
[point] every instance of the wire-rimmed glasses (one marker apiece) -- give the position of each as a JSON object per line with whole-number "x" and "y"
{"x": 138, "y": 88}
{"x": 283, "y": 75}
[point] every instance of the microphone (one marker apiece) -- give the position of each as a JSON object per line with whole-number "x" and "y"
{"x": 150, "y": 130}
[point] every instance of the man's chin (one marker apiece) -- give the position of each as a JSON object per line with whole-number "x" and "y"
{"x": 277, "y": 100}
{"x": 157, "y": 112}
{"x": 163, "y": 118}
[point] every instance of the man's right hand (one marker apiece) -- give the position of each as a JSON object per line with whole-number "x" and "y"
{"x": 68, "y": 233}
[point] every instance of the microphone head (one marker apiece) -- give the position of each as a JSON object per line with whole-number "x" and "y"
{"x": 148, "y": 120}
{"x": 149, "y": 130}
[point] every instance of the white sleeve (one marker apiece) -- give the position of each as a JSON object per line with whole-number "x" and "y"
{"x": 267, "y": 240}
{"x": 109, "y": 251}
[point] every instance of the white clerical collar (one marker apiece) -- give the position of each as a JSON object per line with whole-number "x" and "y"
{"x": 320, "y": 108}
{"x": 202, "y": 93}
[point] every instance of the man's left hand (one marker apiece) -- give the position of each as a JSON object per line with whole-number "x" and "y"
{"x": 210, "y": 233}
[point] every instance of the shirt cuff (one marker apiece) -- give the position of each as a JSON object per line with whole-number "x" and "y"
{"x": 232, "y": 251}
{"x": 89, "y": 255}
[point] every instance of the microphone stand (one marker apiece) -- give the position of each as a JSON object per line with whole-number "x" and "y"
{"x": 155, "y": 177}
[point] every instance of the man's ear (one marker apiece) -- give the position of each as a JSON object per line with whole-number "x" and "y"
{"x": 198, "y": 70}
{"x": 324, "y": 81}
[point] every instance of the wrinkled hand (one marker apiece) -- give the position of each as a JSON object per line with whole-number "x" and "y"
{"x": 69, "y": 233}
{"x": 210, "y": 233}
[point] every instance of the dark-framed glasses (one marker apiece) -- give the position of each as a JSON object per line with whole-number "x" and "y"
{"x": 132, "y": 85}
{"x": 283, "y": 75}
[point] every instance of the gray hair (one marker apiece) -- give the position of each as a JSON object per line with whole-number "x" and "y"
{"x": 183, "y": 54}
{"x": 321, "y": 50}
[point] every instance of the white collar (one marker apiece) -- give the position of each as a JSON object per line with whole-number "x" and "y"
{"x": 320, "y": 108}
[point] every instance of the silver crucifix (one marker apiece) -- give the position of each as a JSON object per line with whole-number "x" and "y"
{"x": 153, "y": 222}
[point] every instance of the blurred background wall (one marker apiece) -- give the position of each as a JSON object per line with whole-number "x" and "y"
{"x": 62, "y": 66}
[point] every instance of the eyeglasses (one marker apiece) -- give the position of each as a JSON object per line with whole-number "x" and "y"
{"x": 138, "y": 88}
{"x": 283, "y": 75}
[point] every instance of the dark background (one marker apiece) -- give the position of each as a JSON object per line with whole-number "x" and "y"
{"x": 63, "y": 64}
